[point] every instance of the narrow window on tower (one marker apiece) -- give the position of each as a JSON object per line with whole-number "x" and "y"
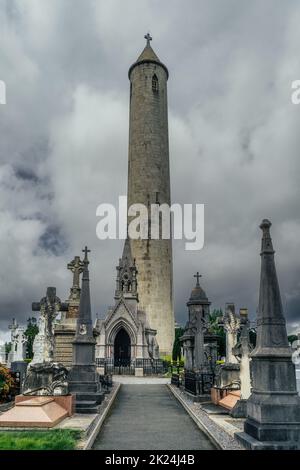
{"x": 155, "y": 83}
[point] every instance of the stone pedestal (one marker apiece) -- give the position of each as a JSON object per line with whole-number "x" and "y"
{"x": 64, "y": 334}
{"x": 37, "y": 412}
{"x": 84, "y": 381}
{"x": 139, "y": 372}
{"x": 228, "y": 376}
{"x": 273, "y": 409}
{"x": 20, "y": 368}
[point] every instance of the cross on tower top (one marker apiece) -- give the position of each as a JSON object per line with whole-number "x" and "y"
{"x": 197, "y": 276}
{"x": 86, "y": 251}
{"x": 148, "y": 38}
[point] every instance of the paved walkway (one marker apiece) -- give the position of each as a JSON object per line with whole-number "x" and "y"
{"x": 149, "y": 417}
{"x": 131, "y": 379}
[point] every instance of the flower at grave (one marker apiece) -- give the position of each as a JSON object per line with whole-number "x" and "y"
{"x": 6, "y": 382}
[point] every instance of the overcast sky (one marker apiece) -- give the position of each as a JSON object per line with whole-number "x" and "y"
{"x": 234, "y": 141}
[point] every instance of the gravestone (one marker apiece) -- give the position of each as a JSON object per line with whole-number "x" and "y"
{"x": 2, "y": 353}
{"x": 242, "y": 352}
{"x": 228, "y": 374}
{"x": 49, "y": 307}
{"x": 273, "y": 408}
{"x": 13, "y": 340}
{"x": 231, "y": 324}
{"x": 84, "y": 382}
{"x": 19, "y": 344}
{"x": 65, "y": 329}
{"x": 198, "y": 345}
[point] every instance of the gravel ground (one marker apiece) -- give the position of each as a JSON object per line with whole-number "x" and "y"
{"x": 217, "y": 432}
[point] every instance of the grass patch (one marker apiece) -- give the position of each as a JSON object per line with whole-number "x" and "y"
{"x": 55, "y": 439}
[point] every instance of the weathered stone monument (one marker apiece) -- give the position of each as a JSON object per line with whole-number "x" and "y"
{"x": 149, "y": 183}
{"x": 13, "y": 337}
{"x": 83, "y": 378}
{"x": 125, "y": 336}
{"x": 273, "y": 409}
{"x": 2, "y": 353}
{"x": 231, "y": 323}
{"x": 49, "y": 307}
{"x": 242, "y": 352}
{"x": 65, "y": 329}
{"x": 228, "y": 374}
{"x": 20, "y": 344}
{"x": 199, "y": 366}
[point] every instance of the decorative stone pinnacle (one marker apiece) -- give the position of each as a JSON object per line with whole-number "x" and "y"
{"x": 148, "y": 39}
{"x": 266, "y": 243}
{"x": 197, "y": 276}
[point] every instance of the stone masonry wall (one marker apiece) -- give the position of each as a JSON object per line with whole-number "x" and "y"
{"x": 149, "y": 182}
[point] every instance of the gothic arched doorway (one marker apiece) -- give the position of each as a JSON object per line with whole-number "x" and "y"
{"x": 122, "y": 348}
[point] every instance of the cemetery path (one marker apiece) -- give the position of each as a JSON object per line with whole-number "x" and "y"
{"x": 149, "y": 417}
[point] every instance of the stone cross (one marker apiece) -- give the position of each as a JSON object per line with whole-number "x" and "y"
{"x": 13, "y": 327}
{"x": 49, "y": 306}
{"x": 19, "y": 345}
{"x": 197, "y": 276}
{"x": 148, "y": 39}
{"x": 231, "y": 324}
{"x": 76, "y": 266}
{"x": 2, "y": 353}
{"x": 86, "y": 251}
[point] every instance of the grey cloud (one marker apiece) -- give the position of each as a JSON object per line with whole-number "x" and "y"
{"x": 234, "y": 140}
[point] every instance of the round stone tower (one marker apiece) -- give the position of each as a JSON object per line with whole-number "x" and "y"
{"x": 149, "y": 183}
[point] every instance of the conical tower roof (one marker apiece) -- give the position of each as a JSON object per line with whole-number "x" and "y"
{"x": 148, "y": 56}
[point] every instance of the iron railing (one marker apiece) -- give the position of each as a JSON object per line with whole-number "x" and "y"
{"x": 128, "y": 367}
{"x": 198, "y": 383}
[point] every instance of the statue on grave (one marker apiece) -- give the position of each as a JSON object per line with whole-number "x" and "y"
{"x": 46, "y": 379}
{"x": 242, "y": 352}
{"x": 49, "y": 307}
{"x": 231, "y": 323}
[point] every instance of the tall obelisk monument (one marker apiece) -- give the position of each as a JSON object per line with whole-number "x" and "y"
{"x": 149, "y": 183}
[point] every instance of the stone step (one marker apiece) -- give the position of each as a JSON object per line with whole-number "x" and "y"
{"x": 88, "y": 396}
{"x": 88, "y": 410}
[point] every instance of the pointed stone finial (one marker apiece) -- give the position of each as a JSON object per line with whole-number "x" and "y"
{"x": 266, "y": 243}
{"x": 148, "y": 39}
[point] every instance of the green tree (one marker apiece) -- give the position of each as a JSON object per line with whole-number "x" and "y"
{"x": 216, "y": 328}
{"x": 176, "y": 355}
{"x": 292, "y": 338}
{"x": 30, "y": 333}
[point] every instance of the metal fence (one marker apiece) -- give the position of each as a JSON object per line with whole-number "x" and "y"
{"x": 198, "y": 383}
{"x": 128, "y": 367}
